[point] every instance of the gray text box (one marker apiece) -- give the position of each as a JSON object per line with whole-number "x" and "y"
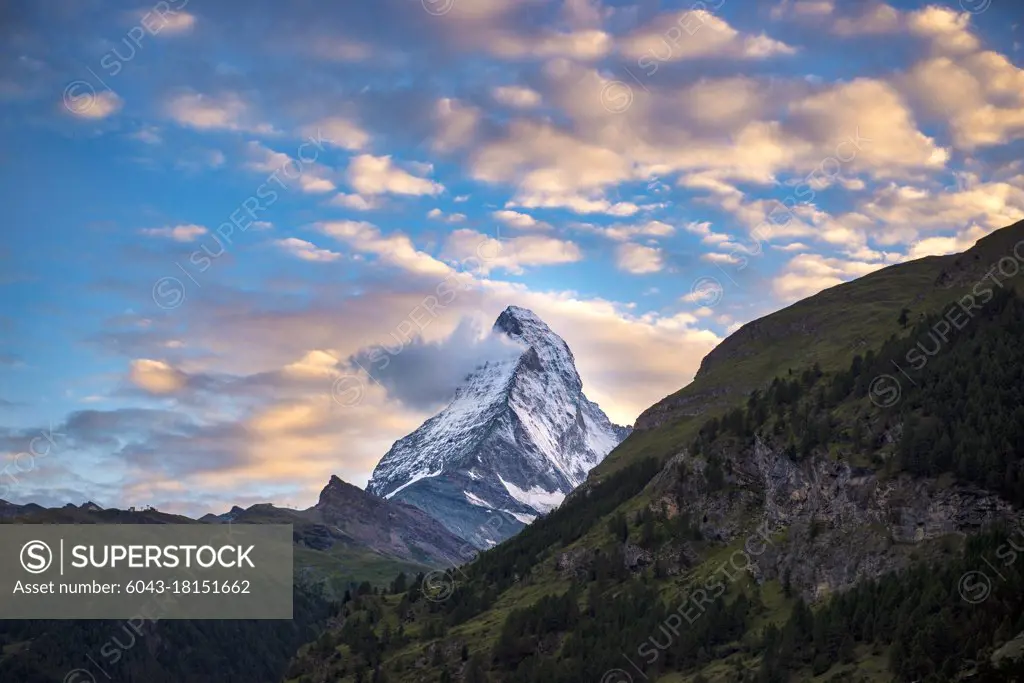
{"x": 151, "y": 571}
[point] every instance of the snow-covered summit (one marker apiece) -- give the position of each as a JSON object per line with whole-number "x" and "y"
{"x": 516, "y": 438}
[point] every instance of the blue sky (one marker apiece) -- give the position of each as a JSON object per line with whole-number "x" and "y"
{"x": 215, "y": 209}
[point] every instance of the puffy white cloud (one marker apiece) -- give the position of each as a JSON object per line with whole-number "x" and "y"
{"x": 626, "y": 232}
{"x": 307, "y": 251}
{"x": 520, "y": 221}
{"x": 226, "y": 111}
{"x": 940, "y": 246}
{"x": 156, "y": 376}
{"x": 696, "y": 34}
{"x": 397, "y": 249}
{"x": 511, "y": 254}
{"x": 355, "y": 201}
{"x": 903, "y": 212}
{"x": 312, "y": 177}
{"x": 439, "y": 215}
{"x": 865, "y": 126}
{"x": 947, "y": 30}
{"x": 981, "y": 95}
{"x": 638, "y": 259}
{"x": 372, "y": 175}
{"x": 808, "y": 274}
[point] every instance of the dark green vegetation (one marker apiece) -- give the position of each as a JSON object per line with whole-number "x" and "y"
{"x": 158, "y": 652}
{"x": 571, "y": 597}
{"x": 932, "y": 632}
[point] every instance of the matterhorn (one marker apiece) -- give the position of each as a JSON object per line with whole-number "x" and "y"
{"x": 517, "y": 437}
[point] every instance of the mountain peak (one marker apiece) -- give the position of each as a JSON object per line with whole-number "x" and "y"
{"x": 519, "y": 314}
{"x": 523, "y": 325}
{"x": 517, "y": 437}
{"x": 338, "y": 488}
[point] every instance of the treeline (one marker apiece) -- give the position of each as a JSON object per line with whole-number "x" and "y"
{"x": 633, "y": 621}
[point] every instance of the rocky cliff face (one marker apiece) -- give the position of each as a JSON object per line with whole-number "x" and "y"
{"x": 518, "y": 436}
{"x": 831, "y": 525}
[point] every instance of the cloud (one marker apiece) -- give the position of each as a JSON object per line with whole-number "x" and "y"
{"x": 638, "y": 259}
{"x": 456, "y": 124}
{"x": 947, "y": 30}
{"x": 808, "y": 274}
{"x": 439, "y": 215}
{"x": 902, "y": 212}
{"x": 370, "y": 175}
{"x": 696, "y": 34}
{"x": 178, "y": 233}
{"x": 516, "y": 96}
{"x": 355, "y": 201}
{"x": 340, "y": 132}
{"x": 156, "y": 377}
{"x": 980, "y": 96}
{"x": 148, "y": 134}
{"x": 511, "y": 254}
{"x": 582, "y": 45}
{"x": 940, "y": 246}
{"x": 225, "y": 111}
{"x": 520, "y": 221}
{"x": 307, "y": 251}
{"x": 624, "y": 233}
{"x": 312, "y": 177}
{"x": 173, "y": 23}
{"x": 546, "y": 161}
{"x": 864, "y": 125}
{"x": 872, "y": 18}
{"x": 577, "y": 203}
{"x": 423, "y": 375}
{"x": 787, "y": 9}
{"x": 397, "y": 249}
{"x": 867, "y": 18}
{"x": 93, "y": 105}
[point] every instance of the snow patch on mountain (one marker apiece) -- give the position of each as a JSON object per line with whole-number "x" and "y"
{"x": 537, "y": 498}
{"x": 413, "y": 479}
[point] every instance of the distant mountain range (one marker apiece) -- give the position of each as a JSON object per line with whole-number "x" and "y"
{"x": 349, "y": 536}
{"x": 518, "y": 436}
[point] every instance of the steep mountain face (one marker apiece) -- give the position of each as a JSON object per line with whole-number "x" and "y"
{"x": 518, "y": 436}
